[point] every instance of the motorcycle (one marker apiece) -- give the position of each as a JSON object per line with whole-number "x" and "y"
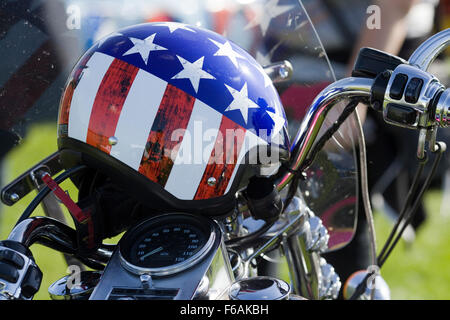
{"x": 289, "y": 214}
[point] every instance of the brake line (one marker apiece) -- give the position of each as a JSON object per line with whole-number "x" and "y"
{"x": 365, "y": 189}
{"x": 441, "y": 147}
{"x": 401, "y": 217}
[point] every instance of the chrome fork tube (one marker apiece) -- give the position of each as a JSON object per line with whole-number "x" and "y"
{"x": 303, "y": 267}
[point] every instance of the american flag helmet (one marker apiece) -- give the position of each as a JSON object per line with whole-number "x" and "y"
{"x": 174, "y": 112}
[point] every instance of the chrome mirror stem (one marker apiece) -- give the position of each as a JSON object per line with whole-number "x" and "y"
{"x": 430, "y": 49}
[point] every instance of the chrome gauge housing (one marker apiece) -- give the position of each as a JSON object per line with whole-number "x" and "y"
{"x": 167, "y": 244}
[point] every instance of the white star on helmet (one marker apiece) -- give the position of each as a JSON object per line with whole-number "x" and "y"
{"x": 241, "y": 101}
{"x": 192, "y": 71}
{"x": 144, "y": 47}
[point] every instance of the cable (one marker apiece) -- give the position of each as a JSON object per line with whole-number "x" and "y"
{"x": 365, "y": 190}
{"x": 46, "y": 190}
{"x": 410, "y": 215}
{"x": 441, "y": 147}
{"x": 361, "y": 288}
{"x": 248, "y": 239}
{"x": 411, "y": 192}
{"x": 348, "y": 110}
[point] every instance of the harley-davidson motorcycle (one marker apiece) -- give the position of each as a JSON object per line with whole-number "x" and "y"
{"x": 207, "y": 230}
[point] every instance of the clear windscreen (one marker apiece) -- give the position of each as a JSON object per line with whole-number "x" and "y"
{"x": 41, "y": 41}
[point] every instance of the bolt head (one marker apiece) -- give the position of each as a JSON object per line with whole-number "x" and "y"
{"x": 14, "y": 197}
{"x": 211, "y": 181}
{"x": 113, "y": 140}
{"x": 283, "y": 72}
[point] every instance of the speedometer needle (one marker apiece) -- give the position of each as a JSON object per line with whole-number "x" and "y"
{"x": 151, "y": 252}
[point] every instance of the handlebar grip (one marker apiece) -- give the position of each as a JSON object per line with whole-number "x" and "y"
{"x": 371, "y": 62}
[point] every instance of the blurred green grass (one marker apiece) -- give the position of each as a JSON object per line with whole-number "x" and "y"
{"x": 39, "y": 142}
{"x": 419, "y": 271}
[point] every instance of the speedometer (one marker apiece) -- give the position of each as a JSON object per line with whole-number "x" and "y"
{"x": 166, "y": 244}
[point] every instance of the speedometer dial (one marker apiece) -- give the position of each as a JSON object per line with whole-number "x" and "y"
{"x": 166, "y": 244}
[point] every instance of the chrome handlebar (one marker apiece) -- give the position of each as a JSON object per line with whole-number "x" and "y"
{"x": 311, "y": 124}
{"x": 58, "y": 236}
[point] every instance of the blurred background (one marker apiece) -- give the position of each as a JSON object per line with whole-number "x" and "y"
{"x": 41, "y": 40}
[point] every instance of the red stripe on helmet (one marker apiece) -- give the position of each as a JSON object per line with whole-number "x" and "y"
{"x": 161, "y": 148}
{"x": 108, "y": 103}
{"x": 222, "y": 161}
{"x": 63, "y": 117}
{"x": 66, "y": 100}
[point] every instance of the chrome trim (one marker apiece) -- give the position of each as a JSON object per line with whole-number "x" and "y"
{"x": 304, "y": 268}
{"x": 294, "y": 222}
{"x": 319, "y": 235}
{"x": 237, "y": 267}
{"x": 330, "y": 283}
{"x": 176, "y": 268}
{"x": 62, "y": 290}
{"x": 220, "y": 274}
{"x": 422, "y": 58}
{"x": 58, "y": 236}
{"x": 420, "y": 153}
{"x": 279, "y": 71}
{"x": 299, "y": 246}
{"x": 381, "y": 292}
{"x": 45, "y": 230}
{"x": 259, "y": 288}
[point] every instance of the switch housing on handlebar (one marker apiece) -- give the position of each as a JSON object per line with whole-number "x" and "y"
{"x": 407, "y": 95}
{"x": 409, "y": 98}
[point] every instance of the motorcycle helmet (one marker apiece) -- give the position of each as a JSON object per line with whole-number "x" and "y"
{"x": 170, "y": 112}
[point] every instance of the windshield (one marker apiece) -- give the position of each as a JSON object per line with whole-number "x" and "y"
{"x": 42, "y": 40}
